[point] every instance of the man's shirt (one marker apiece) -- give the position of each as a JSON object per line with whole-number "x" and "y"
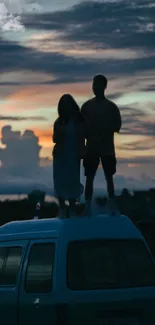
{"x": 102, "y": 119}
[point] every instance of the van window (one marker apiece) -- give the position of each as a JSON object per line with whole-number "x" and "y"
{"x": 39, "y": 272}
{"x": 108, "y": 264}
{"x": 10, "y": 259}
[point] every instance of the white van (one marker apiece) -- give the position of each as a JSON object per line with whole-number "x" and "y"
{"x": 89, "y": 271}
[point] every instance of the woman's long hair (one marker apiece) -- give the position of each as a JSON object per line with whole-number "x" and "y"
{"x": 68, "y": 108}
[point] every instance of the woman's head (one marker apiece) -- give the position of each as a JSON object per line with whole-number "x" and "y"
{"x": 68, "y": 108}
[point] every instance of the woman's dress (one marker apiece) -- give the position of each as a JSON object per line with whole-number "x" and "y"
{"x": 66, "y": 166}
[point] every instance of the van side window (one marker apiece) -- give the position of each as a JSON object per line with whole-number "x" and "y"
{"x": 108, "y": 264}
{"x": 39, "y": 272}
{"x": 10, "y": 259}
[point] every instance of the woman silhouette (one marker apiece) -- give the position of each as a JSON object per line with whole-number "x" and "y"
{"x": 69, "y": 139}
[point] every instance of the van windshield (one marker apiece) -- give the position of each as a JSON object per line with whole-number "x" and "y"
{"x": 108, "y": 264}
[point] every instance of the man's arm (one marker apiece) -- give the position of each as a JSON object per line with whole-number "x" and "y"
{"x": 85, "y": 118}
{"x": 117, "y": 119}
{"x": 83, "y": 110}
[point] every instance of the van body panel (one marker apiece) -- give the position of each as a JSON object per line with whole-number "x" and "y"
{"x": 99, "y": 227}
{"x": 9, "y": 294}
{"x": 27, "y": 227}
{"x": 29, "y": 236}
{"x": 129, "y": 312}
{"x": 82, "y": 227}
{"x": 38, "y": 308}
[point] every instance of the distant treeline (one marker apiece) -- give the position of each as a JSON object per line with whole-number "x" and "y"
{"x": 136, "y": 208}
{"x": 26, "y": 210}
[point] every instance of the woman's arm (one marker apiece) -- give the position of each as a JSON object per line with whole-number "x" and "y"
{"x": 58, "y": 131}
{"x": 82, "y": 138}
{"x": 54, "y": 133}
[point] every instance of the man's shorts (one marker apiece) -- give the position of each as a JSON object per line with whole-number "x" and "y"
{"x": 92, "y": 160}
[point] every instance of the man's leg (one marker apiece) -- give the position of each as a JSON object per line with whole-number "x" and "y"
{"x": 109, "y": 167}
{"x": 89, "y": 188}
{"x": 110, "y": 186}
{"x": 90, "y": 164}
{"x": 72, "y": 208}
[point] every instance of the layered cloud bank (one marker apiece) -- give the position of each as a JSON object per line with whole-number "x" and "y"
{"x": 22, "y": 169}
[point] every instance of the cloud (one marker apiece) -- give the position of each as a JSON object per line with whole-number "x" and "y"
{"x": 24, "y": 77}
{"x": 21, "y": 152}
{"x": 13, "y": 184}
{"x": 105, "y": 34}
{"x": 9, "y": 22}
{"x": 136, "y": 122}
{"x": 15, "y": 57}
{"x": 83, "y": 40}
{"x": 54, "y": 43}
{"x": 10, "y": 14}
{"x": 141, "y": 160}
{"x": 144, "y": 144}
{"x": 22, "y": 169}
{"x": 22, "y": 118}
{"x": 114, "y": 24}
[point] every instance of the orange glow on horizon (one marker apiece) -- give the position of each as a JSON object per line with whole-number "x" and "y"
{"x": 133, "y": 165}
{"x": 40, "y": 96}
{"x": 45, "y": 137}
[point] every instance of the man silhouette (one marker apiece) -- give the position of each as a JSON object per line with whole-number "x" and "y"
{"x": 102, "y": 120}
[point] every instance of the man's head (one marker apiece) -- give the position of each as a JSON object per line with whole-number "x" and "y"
{"x": 99, "y": 85}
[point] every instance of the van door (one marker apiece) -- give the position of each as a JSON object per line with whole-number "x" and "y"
{"x": 36, "y": 297}
{"x": 147, "y": 228}
{"x": 11, "y": 260}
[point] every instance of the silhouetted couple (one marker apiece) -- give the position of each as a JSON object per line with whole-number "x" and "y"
{"x": 95, "y": 124}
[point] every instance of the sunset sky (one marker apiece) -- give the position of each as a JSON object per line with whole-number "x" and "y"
{"x": 52, "y": 47}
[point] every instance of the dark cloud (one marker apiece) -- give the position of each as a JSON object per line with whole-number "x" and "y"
{"x": 137, "y": 122}
{"x": 116, "y": 24}
{"x": 149, "y": 88}
{"x": 92, "y": 25}
{"x": 138, "y": 145}
{"x": 20, "y": 170}
{"x": 21, "y": 153}
{"x": 135, "y": 126}
{"x": 22, "y": 118}
{"x": 137, "y": 160}
{"x": 15, "y": 57}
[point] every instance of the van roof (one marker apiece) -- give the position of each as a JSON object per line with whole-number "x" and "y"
{"x": 102, "y": 226}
